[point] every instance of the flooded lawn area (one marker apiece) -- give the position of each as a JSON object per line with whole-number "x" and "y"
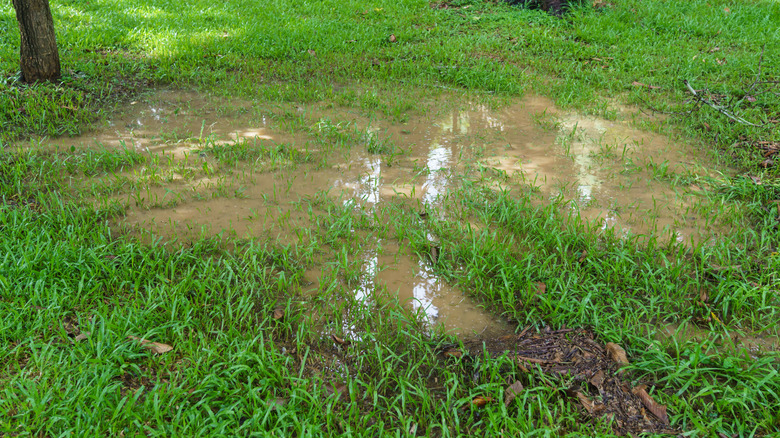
{"x": 250, "y": 170}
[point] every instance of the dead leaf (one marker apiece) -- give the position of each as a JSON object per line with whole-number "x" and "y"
{"x": 392, "y": 38}
{"x": 583, "y": 256}
{"x": 703, "y": 295}
{"x": 511, "y": 392}
{"x": 617, "y": 354}
{"x": 312, "y": 52}
{"x": 713, "y": 50}
{"x": 339, "y": 340}
{"x": 278, "y": 313}
{"x": 656, "y": 409}
{"x": 541, "y": 288}
{"x": 276, "y": 403}
{"x": 337, "y": 389}
{"x": 598, "y": 379}
{"x": 81, "y": 337}
{"x": 480, "y": 401}
{"x": 586, "y": 403}
{"x": 453, "y": 352}
{"x": 766, "y": 163}
{"x": 435, "y": 254}
{"x": 155, "y": 347}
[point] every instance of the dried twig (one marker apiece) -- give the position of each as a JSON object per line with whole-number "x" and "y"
{"x": 718, "y": 108}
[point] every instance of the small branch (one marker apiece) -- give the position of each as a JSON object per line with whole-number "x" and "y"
{"x": 716, "y": 107}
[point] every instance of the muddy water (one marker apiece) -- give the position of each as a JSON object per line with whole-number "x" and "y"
{"x": 416, "y": 284}
{"x": 608, "y": 171}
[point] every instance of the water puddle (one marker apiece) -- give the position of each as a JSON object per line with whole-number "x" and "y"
{"x": 415, "y": 283}
{"x": 608, "y": 171}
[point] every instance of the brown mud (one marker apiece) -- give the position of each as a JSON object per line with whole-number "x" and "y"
{"x": 607, "y": 171}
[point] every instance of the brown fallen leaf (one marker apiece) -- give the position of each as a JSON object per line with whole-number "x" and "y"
{"x": 480, "y": 401}
{"x": 80, "y": 337}
{"x": 656, "y": 409}
{"x": 586, "y": 403}
{"x": 312, "y": 52}
{"x": 598, "y": 379}
{"x": 155, "y": 347}
{"x": 434, "y": 254}
{"x": 278, "y": 313}
{"x": 703, "y": 295}
{"x": 339, "y": 340}
{"x": 453, "y": 352}
{"x": 583, "y": 256}
{"x": 766, "y": 163}
{"x": 511, "y": 392}
{"x": 713, "y": 50}
{"x": 392, "y": 38}
{"x": 617, "y": 354}
{"x": 541, "y": 288}
{"x": 276, "y": 403}
{"x": 337, "y": 389}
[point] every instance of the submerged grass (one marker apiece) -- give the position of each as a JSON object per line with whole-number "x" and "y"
{"x": 252, "y": 353}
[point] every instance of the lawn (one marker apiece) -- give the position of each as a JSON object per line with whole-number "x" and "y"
{"x": 117, "y": 324}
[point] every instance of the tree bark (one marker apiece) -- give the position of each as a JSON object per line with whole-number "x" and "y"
{"x": 40, "y": 59}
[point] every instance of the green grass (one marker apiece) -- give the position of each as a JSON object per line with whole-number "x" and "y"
{"x": 110, "y": 50}
{"x": 236, "y": 369}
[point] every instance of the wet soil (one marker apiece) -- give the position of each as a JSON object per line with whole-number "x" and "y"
{"x": 607, "y": 171}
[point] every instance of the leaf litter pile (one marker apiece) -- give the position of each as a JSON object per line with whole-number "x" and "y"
{"x": 600, "y": 386}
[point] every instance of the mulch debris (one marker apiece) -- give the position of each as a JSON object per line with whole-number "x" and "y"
{"x": 601, "y": 388}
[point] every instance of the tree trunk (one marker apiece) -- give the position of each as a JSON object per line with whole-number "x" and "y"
{"x": 40, "y": 60}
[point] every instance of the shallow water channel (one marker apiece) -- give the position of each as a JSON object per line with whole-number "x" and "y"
{"x": 609, "y": 172}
